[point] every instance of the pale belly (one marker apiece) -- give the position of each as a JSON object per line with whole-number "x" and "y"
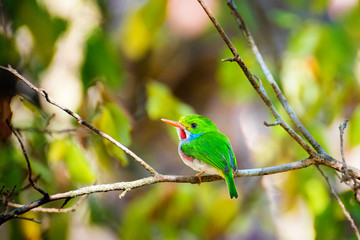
{"x": 198, "y": 165}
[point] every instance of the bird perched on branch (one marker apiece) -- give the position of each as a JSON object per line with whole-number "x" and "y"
{"x": 205, "y": 149}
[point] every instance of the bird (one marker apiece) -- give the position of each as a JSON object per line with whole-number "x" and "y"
{"x": 205, "y": 149}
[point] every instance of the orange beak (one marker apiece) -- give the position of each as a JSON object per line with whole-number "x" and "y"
{"x": 175, "y": 124}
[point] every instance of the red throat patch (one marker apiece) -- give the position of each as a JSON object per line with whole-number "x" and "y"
{"x": 182, "y": 134}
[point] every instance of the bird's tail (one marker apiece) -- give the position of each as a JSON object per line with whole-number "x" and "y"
{"x": 231, "y": 184}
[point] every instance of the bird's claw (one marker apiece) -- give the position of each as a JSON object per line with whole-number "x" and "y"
{"x": 199, "y": 176}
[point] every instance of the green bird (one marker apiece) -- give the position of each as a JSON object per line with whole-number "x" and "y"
{"x": 205, "y": 149}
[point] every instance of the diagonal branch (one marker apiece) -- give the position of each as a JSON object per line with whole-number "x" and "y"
{"x": 253, "y": 81}
{"x": 346, "y": 213}
{"x": 271, "y": 79}
{"x": 81, "y": 121}
{"x": 33, "y": 184}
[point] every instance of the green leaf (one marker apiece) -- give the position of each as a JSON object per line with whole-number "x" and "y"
{"x": 44, "y": 28}
{"x": 58, "y": 227}
{"x": 141, "y": 28}
{"x": 11, "y": 173}
{"x": 162, "y": 104}
{"x": 284, "y": 19}
{"x": 317, "y": 194}
{"x": 41, "y": 169}
{"x": 77, "y": 164}
{"x": 354, "y": 128}
{"x": 57, "y": 150}
{"x": 101, "y": 61}
{"x": 116, "y": 123}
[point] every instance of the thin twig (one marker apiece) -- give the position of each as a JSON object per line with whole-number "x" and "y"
{"x": 81, "y": 121}
{"x": 7, "y": 196}
{"x": 45, "y": 130}
{"x": 52, "y": 210}
{"x": 271, "y": 79}
{"x": 28, "y": 219}
{"x": 342, "y": 131}
{"x": 122, "y": 195}
{"x": 347, "y": 175}
{"x": 272, "y": 124}
{"x": 33, "y": 184}
{"x": 35, "y": 179}
{"x": 49, "y": 120}
{"x": 346, "y": 213}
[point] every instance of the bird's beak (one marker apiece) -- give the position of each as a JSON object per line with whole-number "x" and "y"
{"x": 176, "y": 124}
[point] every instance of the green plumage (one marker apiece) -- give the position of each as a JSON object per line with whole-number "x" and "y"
{"x": 205, "y": 143}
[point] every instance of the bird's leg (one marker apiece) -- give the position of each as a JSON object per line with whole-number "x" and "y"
{"x": 199, "y": 176}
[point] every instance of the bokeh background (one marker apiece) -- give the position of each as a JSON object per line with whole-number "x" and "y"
{"x": 123, "y": 65}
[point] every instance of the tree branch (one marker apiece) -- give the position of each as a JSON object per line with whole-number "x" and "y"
{"x": 51, "y": 210}
{"x": 33, "y": 184}
{"x": 346, "y": 213}
{"x": 271, "y": 79}
{"x": 253, "y": 81}
{"x": 127, "y": 186}
{"x": 81, "y": 121}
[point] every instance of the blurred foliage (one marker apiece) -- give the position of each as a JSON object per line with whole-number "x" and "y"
{"x": 140, "y": 28}
{"x": 136, "y": 62}
{"x": 162, "y": 104}
{"x": 101, "y": 61}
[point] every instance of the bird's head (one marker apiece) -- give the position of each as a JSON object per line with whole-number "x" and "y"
{"x": 192, "y": 124}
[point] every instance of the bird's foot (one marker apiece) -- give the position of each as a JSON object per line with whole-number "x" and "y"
{"x": 199, "y": 176}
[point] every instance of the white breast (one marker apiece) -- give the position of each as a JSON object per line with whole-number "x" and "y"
{"x": 197, "y": 165}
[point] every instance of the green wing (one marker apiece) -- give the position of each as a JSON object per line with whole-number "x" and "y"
{"x": 232, "y": 157}
{"x": 212, "y": 148}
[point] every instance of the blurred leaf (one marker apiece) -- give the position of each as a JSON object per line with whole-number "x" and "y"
{"x": 57, "y": 150}
{"x": 8, "y": 52}
{"x": 284, "y": 19}
{"x": 116, "y": 123}
{"x": 318, "y": 195}
{"x": 137, "y": 215}
{"x": 141, "y": 28}
{"x": 59, "y": 227}
{"x": 162, "y": 104}
{"x": 354, "y": 128}
{"x": 304, "y": 41}
{"x": 335, "y": 53}
{"x": 98, "y": 211}
{"x": 33, "y": 108}
{"x": 319, "y": 6}
{"x": 39, "y": 168}
{"x": 77, "y": 164}
{"x": 11, "y": 172}
{"x": 234, "y": 86}
{"x": 31, "y": 229}
{"x": 101, "y": 61}
{"x": 221, "y": 217}
{"x": 351, "y": 24}
{"x": 45, "y": 28}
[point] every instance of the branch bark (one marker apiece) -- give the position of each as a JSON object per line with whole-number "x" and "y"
{"x": 159, "y": 178}
{"x": 271, "y": 79}
{"x": 81, "y": 121}
{"x": 254, "y": 82}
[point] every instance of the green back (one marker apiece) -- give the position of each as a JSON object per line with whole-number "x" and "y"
{"x": 212, "y": 147}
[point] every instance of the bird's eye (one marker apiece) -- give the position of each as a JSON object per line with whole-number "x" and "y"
{"x": 193, "y": 125}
